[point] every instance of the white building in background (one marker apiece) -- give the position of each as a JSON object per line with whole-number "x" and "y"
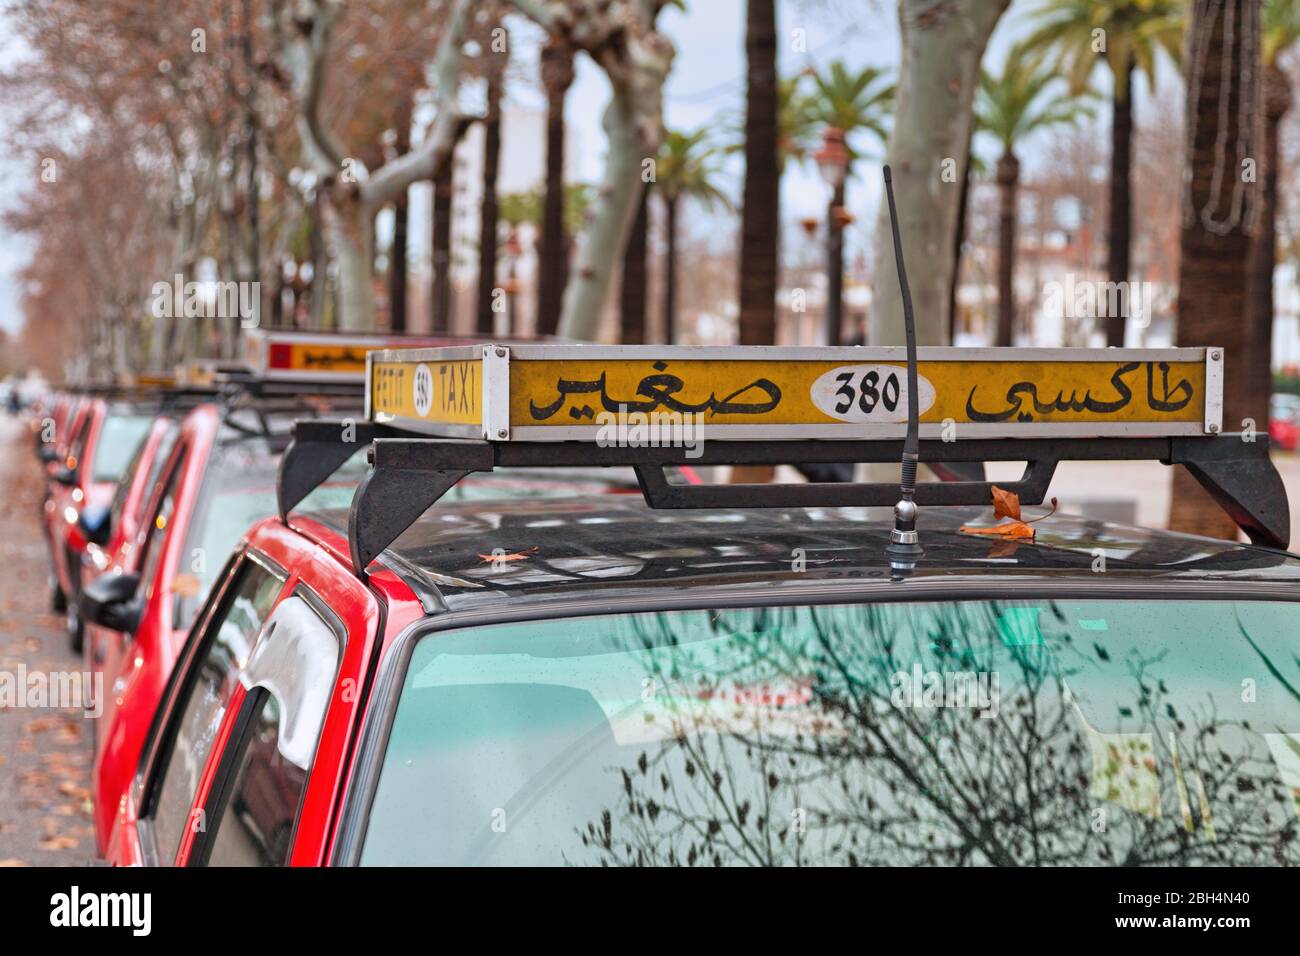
{"x": 1286, "y": 317}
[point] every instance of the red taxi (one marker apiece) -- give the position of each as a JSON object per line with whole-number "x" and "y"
{"x": 216, "y": 479}
{"x": 712, "y": 676}
{"x": 104, "y": 435}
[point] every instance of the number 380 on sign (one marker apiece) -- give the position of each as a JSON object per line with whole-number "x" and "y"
{"x": 869, "y": 393}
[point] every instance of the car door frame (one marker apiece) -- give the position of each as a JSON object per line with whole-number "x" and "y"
{"x": 145, "y": 780}
{"x": 332, "y": 591}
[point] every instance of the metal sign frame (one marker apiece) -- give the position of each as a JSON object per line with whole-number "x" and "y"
{"x": 493, "y": 421}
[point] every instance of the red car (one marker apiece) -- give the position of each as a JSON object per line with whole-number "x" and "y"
{"x": 114, "y": 533}
{"x": 1284, "y": 422}
{"x": 103, "y": 439}
{"x": 216, "y": 480}
{"x": 713, "y": 676}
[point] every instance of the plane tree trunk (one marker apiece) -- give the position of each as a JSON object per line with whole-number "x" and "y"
{"x": 622, "y": 39}
{"x": 349, "y": 195}
{"x": 942, "y": 48}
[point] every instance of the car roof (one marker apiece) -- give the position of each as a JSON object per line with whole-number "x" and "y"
{"x": 464, "y": 555}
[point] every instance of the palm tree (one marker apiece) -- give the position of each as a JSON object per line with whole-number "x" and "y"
{"x": 853, "y": 103}
{"x": 1215, "y": 240}
{"x": 1127, "y": 35}
{"x": 687, "y": 169}
{"x": 796, "y": 132}
{"x": 1281, "y": 22}
{"x": 487, "y": 251}
{"x": 557, "y": 76}
{"x": 1021, "y": 100}
{"x": 760, "y": 222}
{"x": 796, "y": 129}
{"x": 632, "y": 287}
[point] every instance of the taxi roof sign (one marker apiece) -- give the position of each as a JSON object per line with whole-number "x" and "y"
{"x": 291, "y": 355}
{"x": 515, "y": 392}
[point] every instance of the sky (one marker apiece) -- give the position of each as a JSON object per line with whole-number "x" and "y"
{"x": 706, "y": 85}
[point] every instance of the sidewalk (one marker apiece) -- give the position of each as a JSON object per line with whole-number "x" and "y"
{"x": 44, "y": 753}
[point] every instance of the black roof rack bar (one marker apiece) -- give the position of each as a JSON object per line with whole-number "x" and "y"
{"x": 409, "y": 474}
{"x": 318, "y": 449}
{"x": 245, "y": 383}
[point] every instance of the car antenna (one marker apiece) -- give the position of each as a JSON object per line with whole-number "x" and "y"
{"x": 904, "y": 548}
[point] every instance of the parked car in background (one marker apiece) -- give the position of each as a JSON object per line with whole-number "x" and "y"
{"x": 105, "y": 434}
{"x": 1284, "y": 421}
{"x": 217, "y": 479}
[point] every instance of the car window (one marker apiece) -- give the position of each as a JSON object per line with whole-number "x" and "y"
{"x": 238, "y": 490}
{"x": 161, "y": 453}
{"x": 119, "y": 438}
{"x": 204, "y": 698}
{"x": 78, "y": 443}
{"x": 291, "y": 672}
{"x": 1050, "y": 732}
{"x": 158, "y": 527}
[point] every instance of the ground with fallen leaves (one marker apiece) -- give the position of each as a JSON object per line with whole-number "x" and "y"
{"x": 44, "y": 754}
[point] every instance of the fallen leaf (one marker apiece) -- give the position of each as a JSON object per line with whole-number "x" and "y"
{"x": 57, "y": 843}
{"x": 1008, "y": 529}
{"x": 187, "y": 585}
{"x": 1006, "y": 504}
{"x": 12, "y": 862}
{"x": 515, "y": 556}
{"x": 70, "y": 789}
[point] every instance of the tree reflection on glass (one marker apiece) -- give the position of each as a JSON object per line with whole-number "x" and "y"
{"x": 788, "y": 739}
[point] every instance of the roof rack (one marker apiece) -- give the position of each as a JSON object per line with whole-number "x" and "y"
{"x": 435, "y": 416}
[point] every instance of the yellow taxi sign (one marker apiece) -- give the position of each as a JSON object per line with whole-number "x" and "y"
{"x": 573, "y": 392}
{"x": 154, "y": 380}
{"x": 292, "y": 355}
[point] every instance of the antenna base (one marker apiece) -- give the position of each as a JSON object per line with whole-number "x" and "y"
{"x": 903, "y": 554}
{"x": 904, "y": 548}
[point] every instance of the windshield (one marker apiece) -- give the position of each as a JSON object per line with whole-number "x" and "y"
{"x": 239, "y": 491}
{"x": 119, "y": 439}
{"x": 976, "y": 732}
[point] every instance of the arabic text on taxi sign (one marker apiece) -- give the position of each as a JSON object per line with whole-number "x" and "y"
{"x": 564, "y": 392}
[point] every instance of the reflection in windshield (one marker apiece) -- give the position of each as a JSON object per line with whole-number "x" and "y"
{"x": 985, "y": 732}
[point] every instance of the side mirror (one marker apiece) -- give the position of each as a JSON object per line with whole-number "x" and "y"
{"x": 110, "y": 601}
{"x": 48, "y": 453}
{"x": 94, "y": 524}
{"x": 65, "y": 476}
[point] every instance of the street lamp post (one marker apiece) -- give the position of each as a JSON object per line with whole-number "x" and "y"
{"x": 513, "y": 249}
{"x": 833, "y": 162}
